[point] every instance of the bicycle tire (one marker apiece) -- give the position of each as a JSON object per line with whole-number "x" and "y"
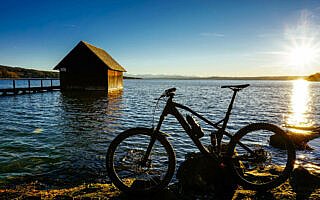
{"x": 259, "y": 173}
{"x": 128, "y": 185}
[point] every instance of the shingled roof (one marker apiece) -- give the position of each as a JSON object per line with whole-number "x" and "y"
{"x": 102, "y": 55}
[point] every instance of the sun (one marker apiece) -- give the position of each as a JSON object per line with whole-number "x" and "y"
{"x": 302, "y": 55}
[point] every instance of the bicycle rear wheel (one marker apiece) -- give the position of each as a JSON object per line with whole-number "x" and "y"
{"x": 257, "y": 164}
{"x": 124, "y": 161}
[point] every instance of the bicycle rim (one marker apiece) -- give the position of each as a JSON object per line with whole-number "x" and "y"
{"x": 265, "y": 167}
{"x": 125, "y": 162}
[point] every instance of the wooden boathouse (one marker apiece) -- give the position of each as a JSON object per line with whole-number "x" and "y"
{"x": 87, "y": 67}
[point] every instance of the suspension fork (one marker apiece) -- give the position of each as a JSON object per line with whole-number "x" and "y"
{"x": 165, "y": 112}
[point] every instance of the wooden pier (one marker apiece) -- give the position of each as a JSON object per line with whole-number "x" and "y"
{"x": 14, "y": 90}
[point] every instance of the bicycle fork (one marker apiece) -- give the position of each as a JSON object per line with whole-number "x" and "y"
{"x": 153, "y": 139}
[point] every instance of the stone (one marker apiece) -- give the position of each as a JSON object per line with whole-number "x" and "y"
{"x": 303, "y": 182}
{"x": 300, "y": 140}
{"x": 200, "y": 173}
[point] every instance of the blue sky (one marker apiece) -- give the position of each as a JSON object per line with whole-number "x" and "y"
{"x": 199, "y": 37}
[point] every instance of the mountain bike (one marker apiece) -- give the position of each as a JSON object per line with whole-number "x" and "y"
{"x": 142, "y": 160}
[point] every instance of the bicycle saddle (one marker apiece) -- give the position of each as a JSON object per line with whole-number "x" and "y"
{"x": 235, "y": 87}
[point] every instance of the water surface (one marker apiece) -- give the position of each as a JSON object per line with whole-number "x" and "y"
{"x": 61, "y": 138}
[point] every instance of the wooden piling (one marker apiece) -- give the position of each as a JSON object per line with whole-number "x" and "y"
{"x": 14, "y": 86}
{"x": 29, "y": 86}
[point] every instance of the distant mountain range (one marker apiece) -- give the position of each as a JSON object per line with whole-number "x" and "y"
{"x": 178, "y": 77}
{"x": 18, "y": 72}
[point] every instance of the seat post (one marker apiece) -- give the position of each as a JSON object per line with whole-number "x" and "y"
{"x": 235, "y": 89}
{"x": 226, "y": 119}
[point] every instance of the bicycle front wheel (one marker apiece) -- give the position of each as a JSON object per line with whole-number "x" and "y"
{"x": 257, "y": 164}
{"x": 128, "y": 169}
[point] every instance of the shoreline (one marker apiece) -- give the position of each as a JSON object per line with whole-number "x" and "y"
{"x": 108, "y": 191}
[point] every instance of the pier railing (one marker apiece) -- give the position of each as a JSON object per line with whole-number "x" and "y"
{"x": 28, "y": 87}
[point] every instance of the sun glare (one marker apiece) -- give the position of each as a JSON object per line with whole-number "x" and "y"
{"x": 302, "y": 56}
{"x": 302, "y": 48}
{"x": 299, "y": 104}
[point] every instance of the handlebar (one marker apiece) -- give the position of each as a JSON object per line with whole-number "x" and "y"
{"x": 169, "y": 92}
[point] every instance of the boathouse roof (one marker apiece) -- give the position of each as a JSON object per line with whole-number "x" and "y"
{"x": 100, "y": 53}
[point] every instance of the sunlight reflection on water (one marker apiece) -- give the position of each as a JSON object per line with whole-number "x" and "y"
{"x": 300, "y": 105}
{"x": 299, "y": 120}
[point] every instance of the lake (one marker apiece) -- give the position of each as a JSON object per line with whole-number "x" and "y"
{"x": 60, "y": 139}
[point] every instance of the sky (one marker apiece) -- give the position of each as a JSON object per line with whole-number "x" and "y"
{"x": 167, "y": 37}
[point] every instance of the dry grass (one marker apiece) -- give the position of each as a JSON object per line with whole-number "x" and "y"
{"x": 86, "y": 191}
{"x": 99, "y": 191}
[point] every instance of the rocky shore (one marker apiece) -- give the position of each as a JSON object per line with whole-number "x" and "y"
{"x": 301, "y": 185}
{"x": 198, "y": 178}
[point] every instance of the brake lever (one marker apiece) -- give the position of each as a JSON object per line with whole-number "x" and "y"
{"x": 163, "y": 95}
{"x": 168, "y": 91}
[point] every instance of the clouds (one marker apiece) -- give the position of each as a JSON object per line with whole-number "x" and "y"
{"x": 211, "y": 34}
{"x": 72, "y": 26}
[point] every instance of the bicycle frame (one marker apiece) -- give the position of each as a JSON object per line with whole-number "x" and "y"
{"x": 171, "y": 108}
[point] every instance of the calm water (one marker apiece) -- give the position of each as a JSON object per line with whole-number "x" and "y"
{"x": 61, "y": 139}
